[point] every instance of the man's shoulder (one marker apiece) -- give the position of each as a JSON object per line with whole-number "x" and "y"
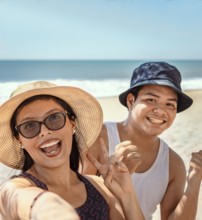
{"x": 173, "y": 155}
{"x": 176, "y": 164}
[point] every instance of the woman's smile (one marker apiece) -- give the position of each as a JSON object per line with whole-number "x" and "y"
{"x": 52, "y": 148}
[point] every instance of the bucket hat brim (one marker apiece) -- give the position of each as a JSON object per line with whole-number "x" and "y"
{"x": 184, "y": 101}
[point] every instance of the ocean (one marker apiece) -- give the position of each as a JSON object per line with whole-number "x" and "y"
{"x": 101, "y": 78}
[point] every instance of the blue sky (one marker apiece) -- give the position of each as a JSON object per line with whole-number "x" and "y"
{"x": 100, "y": 29}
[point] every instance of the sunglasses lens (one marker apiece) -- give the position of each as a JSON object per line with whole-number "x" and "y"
{"x": 31, "y": 129}
{"x": 55, "y": 121}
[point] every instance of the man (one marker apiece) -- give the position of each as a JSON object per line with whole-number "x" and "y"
{"x": 153, "y": 100}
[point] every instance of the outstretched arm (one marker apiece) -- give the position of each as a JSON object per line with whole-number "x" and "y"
{"x": 19, "y": 201}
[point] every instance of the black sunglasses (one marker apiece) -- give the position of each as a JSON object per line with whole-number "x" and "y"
{"x": 31, "y": 129}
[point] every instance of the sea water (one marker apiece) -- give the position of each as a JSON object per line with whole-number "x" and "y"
{"x": 102, "y": 78}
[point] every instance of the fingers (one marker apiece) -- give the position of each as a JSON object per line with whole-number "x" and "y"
{"x": 118, "y": 166}
{"x": 93, "y": 161}
{"x": 109, "y": 176}
{"x": 133, "y": 156}
{"x": 123, "y": 145}
{"x": 103, "y": 161}
{"x": 124, "y": 148}
{"x": 104, "y": 156}
{"x": 127, "y": 152}
{"x": 133, "y": 160}
{"x": 196, "y": 160}
{"x": 114, "y": 167}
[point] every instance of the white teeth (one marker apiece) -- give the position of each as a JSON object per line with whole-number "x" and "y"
{"x": 52, "y": 152}
{"x": 156, "y": 121}
{"x": 50, "y": 144}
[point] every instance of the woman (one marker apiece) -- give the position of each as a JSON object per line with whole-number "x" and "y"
{"x": 43, "y": 129}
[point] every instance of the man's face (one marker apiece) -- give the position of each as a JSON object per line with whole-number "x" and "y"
{"x": 154, "y": 109}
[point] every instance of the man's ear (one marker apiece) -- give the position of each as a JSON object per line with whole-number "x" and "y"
{"x": 130, "y": 99}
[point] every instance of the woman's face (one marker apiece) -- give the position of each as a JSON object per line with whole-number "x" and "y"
{"x": 49, "y": 148}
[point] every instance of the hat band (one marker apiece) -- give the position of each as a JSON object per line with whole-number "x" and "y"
{"x": 156, "y": 80}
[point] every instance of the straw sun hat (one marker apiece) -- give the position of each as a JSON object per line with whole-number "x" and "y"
{"x": 87, "y": 109}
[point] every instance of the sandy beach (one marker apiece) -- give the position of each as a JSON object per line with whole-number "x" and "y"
{"x": 183, "y": 136}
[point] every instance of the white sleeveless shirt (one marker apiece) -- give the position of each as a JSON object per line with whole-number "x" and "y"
{"x": 151, "y": 185}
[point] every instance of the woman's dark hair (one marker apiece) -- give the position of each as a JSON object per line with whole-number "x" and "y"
{"x": 74, "y": 155}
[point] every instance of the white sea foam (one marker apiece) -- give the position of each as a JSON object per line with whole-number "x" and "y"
{"x": 98, "y": 88}
{"x": 189, "y": 84}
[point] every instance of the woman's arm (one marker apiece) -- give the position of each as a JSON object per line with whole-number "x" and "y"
{"x": 18, "y": 200}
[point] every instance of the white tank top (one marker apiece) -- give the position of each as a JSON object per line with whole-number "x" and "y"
{"x": 151, "y": 185}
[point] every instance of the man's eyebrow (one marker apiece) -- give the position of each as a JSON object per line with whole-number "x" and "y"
{"x": 152, "y": 94}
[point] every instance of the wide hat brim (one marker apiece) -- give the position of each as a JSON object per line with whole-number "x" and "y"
{"x": 89, "y": 120}
{"x": 184, "y": 101}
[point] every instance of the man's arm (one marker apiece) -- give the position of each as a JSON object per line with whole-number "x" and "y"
{"x": 178, "y": 204}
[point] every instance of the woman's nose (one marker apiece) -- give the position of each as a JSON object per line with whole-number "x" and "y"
{"x": 44, "y": 130}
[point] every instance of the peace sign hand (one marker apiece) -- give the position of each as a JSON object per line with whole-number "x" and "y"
{"x": 114, "y": 172}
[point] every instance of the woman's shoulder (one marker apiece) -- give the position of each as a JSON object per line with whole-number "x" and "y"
{"x": 95, "y": 180}
{"x": 98, "y": 183}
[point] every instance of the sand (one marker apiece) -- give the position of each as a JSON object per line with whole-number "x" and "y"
{"x": 183, "y": 136}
